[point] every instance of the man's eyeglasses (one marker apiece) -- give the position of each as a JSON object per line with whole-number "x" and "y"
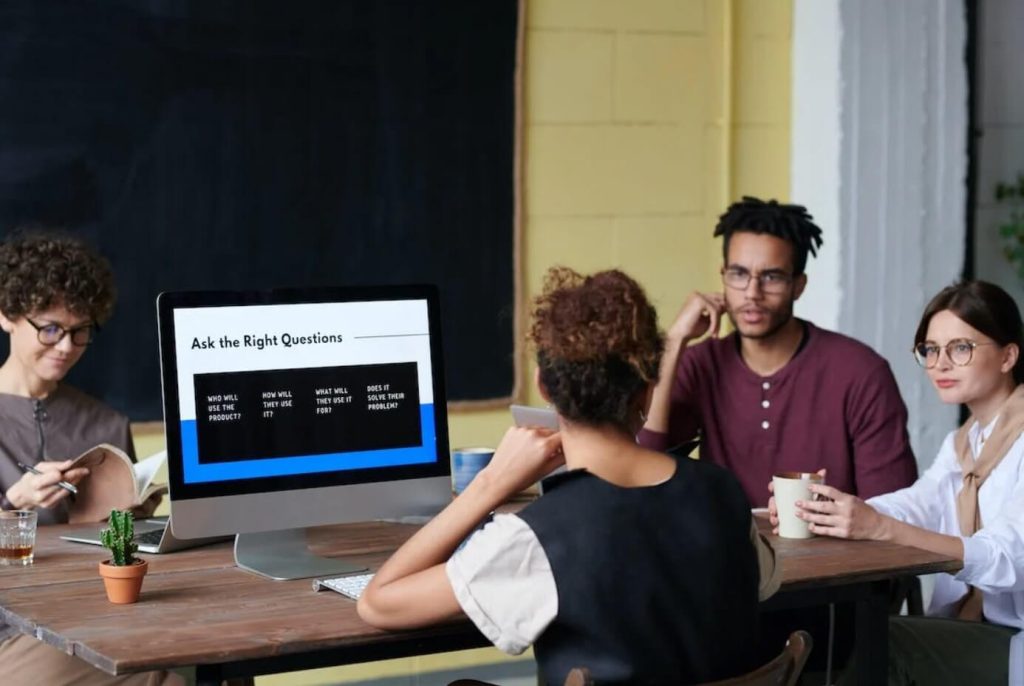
{"x": 773, "y": 281}
{"x": 52, "y": 334}
{"x": 960, "y": 351}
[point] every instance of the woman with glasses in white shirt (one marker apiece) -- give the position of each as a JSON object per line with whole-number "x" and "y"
{"x": 969, "y": 504}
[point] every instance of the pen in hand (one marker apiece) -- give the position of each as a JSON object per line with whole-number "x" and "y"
{"x": 70, "y": 488}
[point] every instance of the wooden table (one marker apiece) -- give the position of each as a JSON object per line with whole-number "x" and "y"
{"x": 198, "y": 609}
{"x": 819, "y": 571}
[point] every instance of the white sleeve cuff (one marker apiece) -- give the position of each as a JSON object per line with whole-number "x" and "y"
{"x": 977, "y": 560}
{"x": 477, "y": 614}
{"x": 502, "y": 579}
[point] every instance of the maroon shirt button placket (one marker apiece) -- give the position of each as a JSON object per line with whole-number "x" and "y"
{"x": 765, "y": 403}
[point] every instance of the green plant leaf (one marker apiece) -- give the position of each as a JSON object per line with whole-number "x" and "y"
{"x": 1011, "y": 195}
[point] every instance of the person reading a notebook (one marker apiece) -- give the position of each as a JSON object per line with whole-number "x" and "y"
{"x": 595, "y": 573}
{"x": 969, "y": 504}
{"x": 54, "y": 294}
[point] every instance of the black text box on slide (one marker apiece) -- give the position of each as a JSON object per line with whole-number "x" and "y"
{"x": 293, "y": 412}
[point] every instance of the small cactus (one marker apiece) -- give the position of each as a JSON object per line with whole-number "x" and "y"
{"x": 119, "y": 538}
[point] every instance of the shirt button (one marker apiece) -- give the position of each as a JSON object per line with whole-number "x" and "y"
{"x": 766, "y": 385}
{"x": 765, "y": 404}
{"x": 765, "y": 424}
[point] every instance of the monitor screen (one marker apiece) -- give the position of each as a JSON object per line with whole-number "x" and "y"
{"x": 320, "y": 406}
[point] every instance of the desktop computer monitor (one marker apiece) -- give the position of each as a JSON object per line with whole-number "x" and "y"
{"x": 287, "y": 409}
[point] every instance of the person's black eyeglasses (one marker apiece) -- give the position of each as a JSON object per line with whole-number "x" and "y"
{"x": 52, "y": 334}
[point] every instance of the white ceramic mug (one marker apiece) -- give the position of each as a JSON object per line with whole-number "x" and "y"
{"x": 789, "y": 488}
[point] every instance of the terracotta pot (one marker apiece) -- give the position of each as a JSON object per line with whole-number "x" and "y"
{"x": 123, "y": 584}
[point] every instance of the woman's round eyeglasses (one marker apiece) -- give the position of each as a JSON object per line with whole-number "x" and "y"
{"x": 52, "y": 334}
{"x": 960, "y": 351}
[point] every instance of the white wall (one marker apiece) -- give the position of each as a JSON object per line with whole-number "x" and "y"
{"x": 815, "y": 138}
{"x": 1000, "y": 119}
{"x": 885, "y": 82}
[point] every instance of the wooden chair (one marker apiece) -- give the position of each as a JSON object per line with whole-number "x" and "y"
{"x": 784, "y": 670}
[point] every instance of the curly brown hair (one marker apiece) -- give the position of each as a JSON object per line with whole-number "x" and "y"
{"x": 598, "y": 345}
{"x": 41, "y": 269}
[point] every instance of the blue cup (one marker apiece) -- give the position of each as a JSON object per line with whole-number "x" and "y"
{"x": 466, "y": 464}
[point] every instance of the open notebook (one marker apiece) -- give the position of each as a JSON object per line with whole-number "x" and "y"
{"x": 114, "y": 483}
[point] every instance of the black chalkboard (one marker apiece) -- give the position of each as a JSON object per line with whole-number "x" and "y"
{"x": 241, "y": 144}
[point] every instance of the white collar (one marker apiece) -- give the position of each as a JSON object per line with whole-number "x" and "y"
{"x": 977, "y": 435}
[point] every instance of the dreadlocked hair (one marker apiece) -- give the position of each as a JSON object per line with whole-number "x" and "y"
{"x": 791, "y": 223}
{"x": 598, "y": 345}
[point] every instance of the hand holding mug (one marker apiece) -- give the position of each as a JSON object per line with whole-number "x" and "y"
{"x": 840, "y": 515}
{"x": 797, "y": 485}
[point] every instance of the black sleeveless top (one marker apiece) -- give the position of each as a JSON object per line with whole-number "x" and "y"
{"x": 655, "y": 584}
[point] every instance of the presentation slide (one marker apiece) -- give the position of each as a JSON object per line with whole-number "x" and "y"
{"x": 277, "y": 390}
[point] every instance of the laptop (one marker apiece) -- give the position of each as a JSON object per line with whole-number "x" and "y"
{"x": 153, "y": 535}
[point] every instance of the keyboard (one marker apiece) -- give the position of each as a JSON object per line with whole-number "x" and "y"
{"x": 149, "y": 537}
{"x": 351, "y": 586}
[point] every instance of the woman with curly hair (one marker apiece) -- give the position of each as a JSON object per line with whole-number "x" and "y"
{"x": 641, "y": 567}
{"x": 55, "y": 292}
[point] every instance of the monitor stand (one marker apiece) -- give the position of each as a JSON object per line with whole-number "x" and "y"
{"x": 282, "y": 555}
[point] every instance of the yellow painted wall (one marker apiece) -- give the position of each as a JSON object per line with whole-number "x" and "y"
{"x": 627, "y": 161}
{"x": 643, "y": 119}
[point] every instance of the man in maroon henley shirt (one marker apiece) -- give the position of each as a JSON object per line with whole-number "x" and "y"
{"x": 778, "y": 394}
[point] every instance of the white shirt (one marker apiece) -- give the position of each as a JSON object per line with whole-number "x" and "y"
{"x": 503, "y": 580}
{"x": 994, "y": 555}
